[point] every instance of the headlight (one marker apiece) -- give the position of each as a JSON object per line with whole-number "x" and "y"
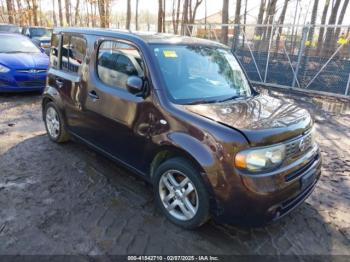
{"x": 4, "y": 69}
{"x": 260, "y": 159}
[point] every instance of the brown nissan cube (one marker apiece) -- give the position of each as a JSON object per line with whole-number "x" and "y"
{"x": 180, "y": 113}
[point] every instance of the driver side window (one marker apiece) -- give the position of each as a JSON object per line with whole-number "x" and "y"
{"x": 116, "y": 61}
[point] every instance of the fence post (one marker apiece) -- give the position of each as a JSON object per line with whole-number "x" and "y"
{"x": 268, "y": 53}
{"x": 347, "y": 86}
{"x": 300, "y": 53}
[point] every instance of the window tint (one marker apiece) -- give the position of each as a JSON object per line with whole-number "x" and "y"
{"x": 55, "y": 41}
{"x": 65, "y": 52}
{"x": 73, "y": 53}
{"x": 116, "y": 62}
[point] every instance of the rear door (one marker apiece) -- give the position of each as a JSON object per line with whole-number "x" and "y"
{"x": 73, "y": 52}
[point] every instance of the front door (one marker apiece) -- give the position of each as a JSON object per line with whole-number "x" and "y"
{"x": 119, "y": 121}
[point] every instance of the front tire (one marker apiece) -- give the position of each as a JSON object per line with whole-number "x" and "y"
{"x": 54, "y": 124}
{"x": 181, "y": 193}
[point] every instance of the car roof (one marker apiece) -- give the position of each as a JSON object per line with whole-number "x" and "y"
{"x": 148, "y": 37}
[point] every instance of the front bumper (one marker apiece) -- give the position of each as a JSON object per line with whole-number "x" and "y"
{"x": 259, "y": 199}
{"x": 15, "y": 81}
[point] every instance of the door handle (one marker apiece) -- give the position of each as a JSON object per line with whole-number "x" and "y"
{"x": 93, "y": 95}
{"x": 59, "y": 82}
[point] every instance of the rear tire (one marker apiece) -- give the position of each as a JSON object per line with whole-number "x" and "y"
{"x": 54, "y": 124}
{"x": 181, "y": 193}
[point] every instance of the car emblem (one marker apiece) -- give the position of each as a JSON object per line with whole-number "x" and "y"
{"x": 33, "y": 71}
{"x": 302, "y": 144}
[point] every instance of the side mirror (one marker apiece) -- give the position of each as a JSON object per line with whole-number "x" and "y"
{"x": 134, "y": 84}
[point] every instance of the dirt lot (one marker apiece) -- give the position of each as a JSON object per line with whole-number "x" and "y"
{"x": 66, "y": 199}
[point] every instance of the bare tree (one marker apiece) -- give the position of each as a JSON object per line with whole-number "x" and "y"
{"x": 160, "y": 16}
{"x": 225, "y": 15}
{"x": 280, "y": 22}
{"x": 102, "y": 11}
{"x": 330, "y": 31}
{"x": 107, "y": 8}
{"x": 66, "y": 5}
{"x": 176, "y": 15}
{"x": 323, "y": 22}
{"x": 10, "y": 11}
{"x": 260, "y": 17}
{"x": 270, "y": 14}
{"x": 54, "y": 13}
{"x": 76, "y": 12}
{"x": 341, "y": 18}
{"x": 189, "y": 15}
{"x": 193, "y": 11}
{"x": 137, "y": 15}
{"x": 128, "y": 14}
{"x": 35, "y": 12}
{"x": 313, "y": 20}
{"x": 237, "y": 21}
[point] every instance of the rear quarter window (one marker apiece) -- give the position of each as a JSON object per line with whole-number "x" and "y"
{"x": 73, "y": 53}
{"x": 55, "y": 41}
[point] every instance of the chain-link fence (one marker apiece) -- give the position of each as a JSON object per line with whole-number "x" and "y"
{"x": 301, "y": 56}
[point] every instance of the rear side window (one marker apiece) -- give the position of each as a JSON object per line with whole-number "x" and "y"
{"x": 55, "y": 41}
{"x": 117, "y": 61}
{"x": 73, "y": 53}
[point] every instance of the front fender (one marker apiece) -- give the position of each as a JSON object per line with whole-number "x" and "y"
{"x": 199, "y": 151}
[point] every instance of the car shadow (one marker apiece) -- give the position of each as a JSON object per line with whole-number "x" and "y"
{"x": 67, "y": 199}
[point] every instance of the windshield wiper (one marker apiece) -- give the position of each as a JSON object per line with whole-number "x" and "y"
{"x": 14, "y": 52}
{"x": 228, "y": 99}
{"x": 201, "y": 101}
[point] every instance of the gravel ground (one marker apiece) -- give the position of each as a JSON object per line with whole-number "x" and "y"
{"x": 66, "y": 199}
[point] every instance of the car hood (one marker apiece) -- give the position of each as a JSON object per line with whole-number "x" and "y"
{"x": 25, "y": 61}
{"x": 262, "y": 119}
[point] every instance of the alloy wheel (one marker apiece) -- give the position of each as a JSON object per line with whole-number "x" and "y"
{"x": 52, "y": 122}
{"x": 178, "y": 195}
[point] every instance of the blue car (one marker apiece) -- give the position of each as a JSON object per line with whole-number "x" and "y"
{"x": 23, "y": 66}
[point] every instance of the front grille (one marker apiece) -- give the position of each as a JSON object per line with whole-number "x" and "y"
{"x": 294, "y": 148}
{"x": 31, "y": 83}
{"x": 3, "y": 83}
{"x": 301, "y": 170}
{"x": 30, "y": 71}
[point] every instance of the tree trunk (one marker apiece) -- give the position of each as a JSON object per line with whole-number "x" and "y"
{"x": 237, "y": 21}
{"x": 10, "y": 11}
{"x": 35, "y": 12}
{"x": 60, "y": 14}
{"x": 137, "y": 15}
{"x": 313, "y": 20}
{"x": 244, "y": 20}
{"x": 330, "y": 31}
{"x": 76, "y": 13}
{"x": 341, "y": 18}
{"x": 259, "y": 30}
{"x": 128, "y": 14}
{"x": 102, "y": 11}
{"x": 54, "y": 13}
{"x": 160, "y": 16}
{"x": 107, "y": 12}
{"x": 67, "y": 2}
{"x": 270, "y": 17}
{"x": 280, "y": 22}
{"x": 184, "y": 21}
{"x": 323, "y": 22}
{"x": 225, "y": 15}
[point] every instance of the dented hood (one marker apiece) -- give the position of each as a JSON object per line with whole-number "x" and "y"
{"x": 262, "y": 119}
